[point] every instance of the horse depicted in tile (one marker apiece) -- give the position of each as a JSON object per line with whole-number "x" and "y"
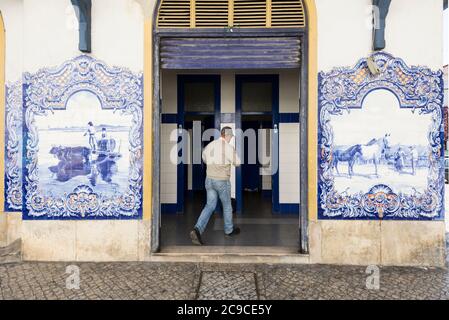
{"x": 372, "y": 152}
{"x": 349, "y": 155}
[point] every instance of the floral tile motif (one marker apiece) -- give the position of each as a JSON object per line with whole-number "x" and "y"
{"x": 83, "y": 142}
{"x": 381, "y": 158}
{"x": 13, "y": 147}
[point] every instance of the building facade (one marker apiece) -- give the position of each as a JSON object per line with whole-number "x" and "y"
{"x": 352, "y": 139}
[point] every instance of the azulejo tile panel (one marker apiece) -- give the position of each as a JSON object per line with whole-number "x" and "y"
{"x": 13, "y": 147}
{"x": 82, "y": 140}
{"x": 380, "y": 142}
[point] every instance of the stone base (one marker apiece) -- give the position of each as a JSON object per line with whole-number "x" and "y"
{"x": 3, "y": 229}
{"x": 14, "y": 226}
{"x": 399, "y": 243}
{"x": 10, "y": 227}
{"x": 11, "y": 253}
{"x": 109, "y": 240}
{"x": 415, "y": 243}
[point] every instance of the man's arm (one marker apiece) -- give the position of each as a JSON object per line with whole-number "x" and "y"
{"x": 233, "y": 156}
{"x": 204, "y": 154}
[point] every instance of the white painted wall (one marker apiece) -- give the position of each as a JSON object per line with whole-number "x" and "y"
{"x": 51, "y": 33}
{"x": 445, "y": 36}
{"x": 414, "y": 32}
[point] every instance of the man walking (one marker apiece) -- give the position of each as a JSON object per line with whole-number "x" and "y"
{"x": 219, "y": 156}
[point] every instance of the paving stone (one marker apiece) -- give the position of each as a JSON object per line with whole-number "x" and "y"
{"x": 228, "y": 286}
{"x": 138, "y": 280}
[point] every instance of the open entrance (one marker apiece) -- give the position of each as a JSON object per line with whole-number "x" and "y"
{"x": 199, "y": 101}
{"x": 198, "y": 114}
{"x": 265, "y": 60}
{"x": 257, "y": 115}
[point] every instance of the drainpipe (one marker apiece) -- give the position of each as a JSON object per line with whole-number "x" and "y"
{"x": 381, "y": 8}
{"x": 83, "y": 13}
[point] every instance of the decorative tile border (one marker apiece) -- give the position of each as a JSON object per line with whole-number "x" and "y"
{"x": 13, "y": 147}
{"x": 46, "y": 93}
{"x": 417, "y": 89}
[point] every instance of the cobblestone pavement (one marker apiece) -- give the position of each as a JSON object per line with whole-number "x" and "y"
{"x": 212, "y": 281}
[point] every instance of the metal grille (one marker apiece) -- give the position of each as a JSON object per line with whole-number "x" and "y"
{"x": 231, "y": 13}
{"x": 287, "y": 13}
{"x": 174, "y": 14}
{"x": 211, "y": 13}
{"x": 250, "y": 14}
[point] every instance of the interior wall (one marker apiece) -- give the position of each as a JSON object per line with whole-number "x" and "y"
{"x": 289, "y": 132}
{"x": 289, "y": 149}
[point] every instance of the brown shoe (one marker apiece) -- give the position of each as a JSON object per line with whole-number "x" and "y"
{"x": 195, "y": 235}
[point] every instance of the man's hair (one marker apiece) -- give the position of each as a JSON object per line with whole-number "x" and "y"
{"x": 226, "y": 131}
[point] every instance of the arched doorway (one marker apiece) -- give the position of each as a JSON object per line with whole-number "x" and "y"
{"x": 266, "y": 23}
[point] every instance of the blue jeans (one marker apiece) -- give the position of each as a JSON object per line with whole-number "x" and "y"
{"x": 217, "y": 189}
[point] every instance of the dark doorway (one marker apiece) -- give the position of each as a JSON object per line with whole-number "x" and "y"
{"x": 257, "y": 115}
{"x": 198, "y": 102}
{"x": 256, "y": 165}
{"x": 195, "y": 171}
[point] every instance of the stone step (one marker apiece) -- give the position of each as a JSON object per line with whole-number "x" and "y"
{"x": 11, "y": 253}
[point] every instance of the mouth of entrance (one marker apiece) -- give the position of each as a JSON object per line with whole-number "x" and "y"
{"x": 258, "y": 186}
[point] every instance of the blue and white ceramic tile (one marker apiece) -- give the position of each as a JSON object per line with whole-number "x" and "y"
{"x": 83, "y": 142}
{"x": 13, "y": 147}
{"x": 381, "y": 157}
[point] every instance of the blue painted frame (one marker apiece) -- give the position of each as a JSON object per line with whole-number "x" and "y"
{"x": 180, "y": 118}
{"x": 239, "y": 80}
{"x": 417, "y": 89}
{"x": 49, "y": 90}
{"x": 13, "y": 147}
